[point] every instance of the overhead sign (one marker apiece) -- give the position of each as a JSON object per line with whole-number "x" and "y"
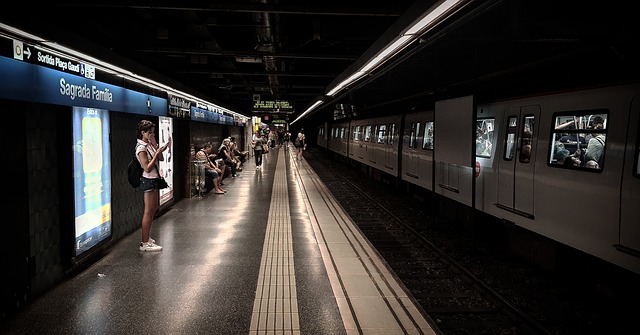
{"x": 272, "y": 106}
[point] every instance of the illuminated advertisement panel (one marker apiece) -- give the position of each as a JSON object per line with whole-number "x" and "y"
{"x": 91, "y": 177}
{"x": 166, "y": 166}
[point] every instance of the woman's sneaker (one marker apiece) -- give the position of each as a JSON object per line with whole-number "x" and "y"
{"x": 149, "y": 246}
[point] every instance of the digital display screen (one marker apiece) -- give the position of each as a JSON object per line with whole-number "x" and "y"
{"x": 166, "y": 166}
{"x": 91, "y": 177}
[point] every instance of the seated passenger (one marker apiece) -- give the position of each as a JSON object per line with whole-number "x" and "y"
{"x": 241, "y": 155}
{"x": 223, "y": 152}
{"x": 210, "y": 169}
{"x": 592, "y": 164}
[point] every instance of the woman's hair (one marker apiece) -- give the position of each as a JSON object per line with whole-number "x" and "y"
{"x": 144, "y": 125}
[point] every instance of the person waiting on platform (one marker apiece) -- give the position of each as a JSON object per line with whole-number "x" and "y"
{"x": 149, "y": 153}
{"x": 210, "y": 169}
{"x": 256, "y": 143}
{"x": 232, "y": 155}
{"x": 223, "y": 152}
{"x": 241, "y": 155}
{"x": 299, "y": 143}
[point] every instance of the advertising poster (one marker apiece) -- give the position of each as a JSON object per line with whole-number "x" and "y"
{"x": 165, "y": 125}
{"x": 91, "y": 177}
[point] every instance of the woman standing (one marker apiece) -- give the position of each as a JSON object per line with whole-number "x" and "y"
{"x": 299, "y": 143}
{"x": 256, "y": 144}
{"x": 149, "y": 153}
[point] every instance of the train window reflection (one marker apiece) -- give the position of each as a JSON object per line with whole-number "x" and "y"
{"x": 412, "y": 136}
{"x": 392, "y": 133}
{"x": 510, "y": 141}
{"x": 382, "y": 133}
{"x": 367, "y": 133}
{"x": 638, "y": 162}
{"x": 484, "y": 137}
{"x": 357, "y": 132}
{"x": 427, "y": 138}
{"x": 526, "y": 139}
{"x": 578, "y": 140}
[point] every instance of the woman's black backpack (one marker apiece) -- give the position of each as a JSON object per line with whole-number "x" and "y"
{"x": 134, "y": 172}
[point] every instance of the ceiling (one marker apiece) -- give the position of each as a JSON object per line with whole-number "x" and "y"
{"x": 238, "y": 51}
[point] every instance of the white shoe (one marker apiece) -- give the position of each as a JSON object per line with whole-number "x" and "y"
{"x": 149, "y": 246}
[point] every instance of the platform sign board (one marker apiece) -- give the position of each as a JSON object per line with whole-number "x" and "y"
{"x": 275, "y": 106}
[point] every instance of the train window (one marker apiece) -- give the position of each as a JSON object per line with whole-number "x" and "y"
{"x": 382, "y": 130}
{"x": 510, "y": 142}
{"x": 637, "y": 154}
{"x": 367, "y": 133}
{"x": 412, "y": 136}
{"x": 578, "y": 140}
{"x": 484, "y": 137}
{"x": 374, "y": 134}
{"x": 357, "y": 132}
{"x": 391, "y": 133}
{"x": 526, "y": 138}
{"x": 427, "y": 138}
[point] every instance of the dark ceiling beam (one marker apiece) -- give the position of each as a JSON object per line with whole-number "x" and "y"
{"x": 259, "y": 73}
{"x": 226, "y": 53}
{"x": 266, "y": 8}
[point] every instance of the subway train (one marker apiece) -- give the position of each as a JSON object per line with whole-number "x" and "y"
{"x": 563, "y": 165}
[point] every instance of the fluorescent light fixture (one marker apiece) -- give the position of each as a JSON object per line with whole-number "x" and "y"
{"x": 308, "y": 110}
{"x": 355, "y": 76}
{"x": 388, "y": 52}
{"x": 411, "y": 34}
{"x": 431, "y": 16}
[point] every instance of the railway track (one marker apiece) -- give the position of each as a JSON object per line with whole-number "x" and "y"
{"x": 462, "y": 293}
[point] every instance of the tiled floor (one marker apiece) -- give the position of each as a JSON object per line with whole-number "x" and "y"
{"x": 275, "y": 255}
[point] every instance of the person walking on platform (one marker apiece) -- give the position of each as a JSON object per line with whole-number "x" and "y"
{"x": 149, "y": 153}
{"x": 256, "y": 144}
{"x": 299, "y": 143}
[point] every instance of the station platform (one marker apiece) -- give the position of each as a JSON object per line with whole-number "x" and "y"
{"x": 275, "y": 255}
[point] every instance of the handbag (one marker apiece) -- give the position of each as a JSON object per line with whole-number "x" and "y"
{"x": 162, "y": 184}
{"x": 265, "y": 148}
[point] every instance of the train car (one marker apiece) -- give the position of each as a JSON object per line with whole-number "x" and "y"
{"x": 563, "y": 166}
{"x": 338, "y": 139}
{"x": 375, "y": 143}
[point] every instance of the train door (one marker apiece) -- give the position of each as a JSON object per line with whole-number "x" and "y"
{"x": 373, "y": 144}
{"x": 517, "y": 161}
{"x": 411, "y": 164}
{"x": 630, "y": 211}
{"x": 388, "y": 142}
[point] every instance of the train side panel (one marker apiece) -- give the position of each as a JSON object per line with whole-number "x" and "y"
{"x": 322, "y": 135}
{"x": 417, "y": 149}
{"x": 374, "y": 142}
{"x": 356, "y": 149}
{"x": 453, "y": 157}
{"x": 630, "y": 209}
{"x": 383, "y": 145}
{"x": 338, "y": 136}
